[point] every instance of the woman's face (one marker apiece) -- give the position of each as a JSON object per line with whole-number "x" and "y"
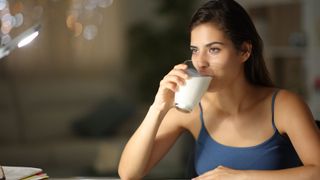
{"x": 214, "y": 54}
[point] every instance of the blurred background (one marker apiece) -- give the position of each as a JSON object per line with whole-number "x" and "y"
{"x": 70, "y": 100}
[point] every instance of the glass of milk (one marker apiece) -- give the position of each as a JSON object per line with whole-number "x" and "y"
{"x": 190, "y": 94}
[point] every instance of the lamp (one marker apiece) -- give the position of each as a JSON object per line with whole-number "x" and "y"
{"x": 21, "y": 40}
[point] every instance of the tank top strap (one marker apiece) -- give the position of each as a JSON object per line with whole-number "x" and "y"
{"x": 272, "y": 108}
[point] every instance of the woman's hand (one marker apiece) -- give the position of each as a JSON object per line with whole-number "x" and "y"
{"x": 168, "y": 86}
{"x": 221, "y": 172}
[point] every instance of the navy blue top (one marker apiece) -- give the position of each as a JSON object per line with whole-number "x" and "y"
{"x": 276, "y": 152}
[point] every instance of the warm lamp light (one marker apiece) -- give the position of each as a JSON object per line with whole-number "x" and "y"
{"x": 28, "y": 39}
{"x": 21, "y": 40}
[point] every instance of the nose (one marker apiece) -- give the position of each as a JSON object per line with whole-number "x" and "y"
{"x": 201, "y": 61}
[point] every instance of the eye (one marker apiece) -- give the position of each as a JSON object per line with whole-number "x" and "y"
{"x": 214, "y": 50}
{"x": 194, "y": 50}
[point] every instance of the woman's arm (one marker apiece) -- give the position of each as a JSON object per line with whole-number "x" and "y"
{"x": 293, "y": 117}
{"x": 158, "y": 131}
{"x": 148, "y": 144}
{"x": 310, "y": 172}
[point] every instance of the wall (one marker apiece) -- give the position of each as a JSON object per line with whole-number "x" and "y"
{"x": 59, "y": 76}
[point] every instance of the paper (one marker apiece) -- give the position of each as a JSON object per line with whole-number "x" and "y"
{"x": 23, "y": 173}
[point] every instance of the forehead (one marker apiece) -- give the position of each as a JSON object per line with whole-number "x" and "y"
{"x": 207, "y": 32}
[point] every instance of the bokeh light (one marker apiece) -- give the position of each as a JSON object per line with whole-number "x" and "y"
{"x": 77, "y": 29}
{"x": 105, "y": 3}
{"x": 17, "y": 7}
{"x": 19, "y": 19}
{"x": 10, "y": 18}
{"x": 5, "y": 39}
{"x": 90, "y": 31}
{"x": 3, "y": 4}
{"x": 84, "y": 18}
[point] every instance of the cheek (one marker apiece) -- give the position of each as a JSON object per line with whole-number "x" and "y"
{"x": 223, "y": 66}
{"x": 224, "y": 75}
{"x": 226, "y": 68}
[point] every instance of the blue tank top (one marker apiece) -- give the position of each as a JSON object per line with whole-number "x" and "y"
{"x": 276, "y": 152}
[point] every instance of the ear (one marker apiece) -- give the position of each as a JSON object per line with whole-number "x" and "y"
{"x": 246, "y": 49}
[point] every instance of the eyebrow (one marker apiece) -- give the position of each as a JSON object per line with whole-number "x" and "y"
{"x": 209, "y": 44}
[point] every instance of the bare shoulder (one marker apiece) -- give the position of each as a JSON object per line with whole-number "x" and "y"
{"x": 291, "y": 109}
{"x": 288, "y": 95}
{"x": 289, "y": 102}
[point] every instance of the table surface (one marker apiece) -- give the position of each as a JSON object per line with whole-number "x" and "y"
{"x": 86, "y": 178}
{"x": 107, "y": 178}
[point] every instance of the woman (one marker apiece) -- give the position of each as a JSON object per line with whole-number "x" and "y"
{"x": 244, "y": 127}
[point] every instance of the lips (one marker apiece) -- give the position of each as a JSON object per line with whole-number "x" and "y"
{"x": 204, "y": 73}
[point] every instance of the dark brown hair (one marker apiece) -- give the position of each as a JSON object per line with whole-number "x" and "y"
{"x": 235, "y": 22}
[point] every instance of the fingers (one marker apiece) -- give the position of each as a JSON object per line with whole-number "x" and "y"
{"x": 169, "y": 85}
{"x": 213, "y": 174}
{"x": 180, "y": 66}
{"x": 180, "y": 71}
{"x": 175, "y": 77}
{"x": 205, "y": 176}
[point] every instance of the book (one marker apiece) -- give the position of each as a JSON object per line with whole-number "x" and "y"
{"x": 23, "y": 173}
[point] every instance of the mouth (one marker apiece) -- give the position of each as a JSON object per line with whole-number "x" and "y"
{"x": 205, "y": 73}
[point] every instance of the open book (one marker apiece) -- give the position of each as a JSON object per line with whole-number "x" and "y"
{"x": 23, "y": 173}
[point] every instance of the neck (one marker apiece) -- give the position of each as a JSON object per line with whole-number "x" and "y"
{"x": 237, "y": 97}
